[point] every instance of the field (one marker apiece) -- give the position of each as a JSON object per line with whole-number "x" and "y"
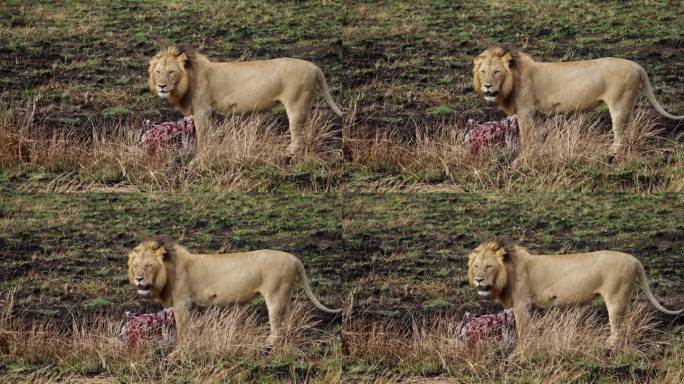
{"x": 75, "y": 95}
{"x": 382, "y": 205}
{"x": 406, "y": 266}
{"x": 64, "y": 282}
{"x": 395, "y": 261}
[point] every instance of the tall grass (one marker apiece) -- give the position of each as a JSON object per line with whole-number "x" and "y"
{"x": 244, "y": 152}
{"x": 561, "y": 152}
{"x": 226, "y": 344}
{"x": 561, "y": 345}
{"x": 248, "y": 152}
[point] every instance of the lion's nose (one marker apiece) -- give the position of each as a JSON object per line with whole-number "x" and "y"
{"x": 161, "y": 86}
{"x": 138, "y": 280}
{"x": 487, "y": 86}
{"x": 478, "y": 280}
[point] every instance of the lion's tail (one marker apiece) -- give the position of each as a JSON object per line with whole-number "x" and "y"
{"x": 649, "y": 294}
{"x": 651, "y": 96}
{"x": 309, "y": 293}
{"x": 326, "y": 93}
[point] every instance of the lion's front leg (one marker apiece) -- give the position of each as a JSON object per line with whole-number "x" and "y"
{"x": 521, "y": 312}
{"x": 525, "y": 126}
{"x": 181, "y": 313}
{"x": 202, "y": 122}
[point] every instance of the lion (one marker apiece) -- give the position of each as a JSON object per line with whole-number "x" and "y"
{"x": 516, "y": 279}
{"x": 179, "y": 279}
{"x": 194, "y": 85}
{"x": 520, "y": 85}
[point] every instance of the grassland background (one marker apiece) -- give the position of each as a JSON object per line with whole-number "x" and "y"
{"x": 63, "y": 258}
{"x": 393, "y": 259}
{"x": 79, "y": 70}
{"x": 406, "y": 258}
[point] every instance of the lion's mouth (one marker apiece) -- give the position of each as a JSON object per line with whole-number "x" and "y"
{"x": 491, "y": 95}
{"x": 163, "y": 94}
{"x": 484, "y": 290}
{"x": 144, "y": 289}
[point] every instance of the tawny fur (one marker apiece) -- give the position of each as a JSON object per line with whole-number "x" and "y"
{"x": 520, "y": 85}
{"x": 516, "y": 279}
{"x": 194, "y": 85}
{"x": 180, "y": 279}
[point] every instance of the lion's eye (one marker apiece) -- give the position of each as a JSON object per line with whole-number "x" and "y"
{"x": 489, "y": 266}
{"x": 496, "y": 72}
{"x": 482, "y": 71}
{"x": 170, "y": 72}
{"x": 158, "y": 71}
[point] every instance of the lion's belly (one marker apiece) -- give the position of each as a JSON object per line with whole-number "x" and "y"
{"x": 552, "y": 298}
{"x": 230, "y": 105}
{"x": 557, "y": 104}
{"x": 218, "y": 296}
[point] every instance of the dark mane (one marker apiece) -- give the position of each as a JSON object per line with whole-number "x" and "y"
{"x": 511, "y": 247}
{"x": 515, "y": 53}
{"x": 172, "y": 248}
{"x": 190, "y": 51}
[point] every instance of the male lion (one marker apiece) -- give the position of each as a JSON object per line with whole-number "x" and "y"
{"x": 518, "y": 84}
{"x": 179, "y": 279}
{"x": 516, "y": 279}
{"x": 194, "y": 85}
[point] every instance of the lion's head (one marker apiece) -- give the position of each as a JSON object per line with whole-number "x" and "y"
{"x": 146, "y": 267}
{"x": 493, "y": 74}
{"x": 487, "y": 269}
{"x": 169, "y": 72}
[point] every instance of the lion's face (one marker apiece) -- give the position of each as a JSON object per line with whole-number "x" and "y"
{"x": 146, "y": 269}
{"x": 168, "y": 74}
{"x": 486, "y": 269}
{"x": 492, "y": 75}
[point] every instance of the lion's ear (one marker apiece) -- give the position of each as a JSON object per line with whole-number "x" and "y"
{"x": 160, "y": 252}
{"x": 152, "y": 63}
{"x": 477, "y": 61}
{"x": 182, "y": 60}
{"x": 500, "y": 254}
{"x": 471, "y": 257}
{"x": 507, "y": 60}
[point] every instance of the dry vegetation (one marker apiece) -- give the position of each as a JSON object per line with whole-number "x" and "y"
{"x": 564, "y": 152}
{"x": 561, "y": 346}
{"x": 227, "y": 344}
{"x": 247, "y": 152}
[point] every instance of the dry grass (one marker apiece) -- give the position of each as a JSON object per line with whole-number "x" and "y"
{"x": 248, "y": 153}
{"x": 564, "y": 152}
{"x": 561, "y": 345}
{"x": 227, "y": 344}
{"x": 245, "y": 152}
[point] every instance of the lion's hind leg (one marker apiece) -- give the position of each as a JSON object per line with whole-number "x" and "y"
{"x": 277, "y": 303}
{"x": 298, "y": 111}
{"x": 621, "y": 108}
{"x": 618, "y": 302}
